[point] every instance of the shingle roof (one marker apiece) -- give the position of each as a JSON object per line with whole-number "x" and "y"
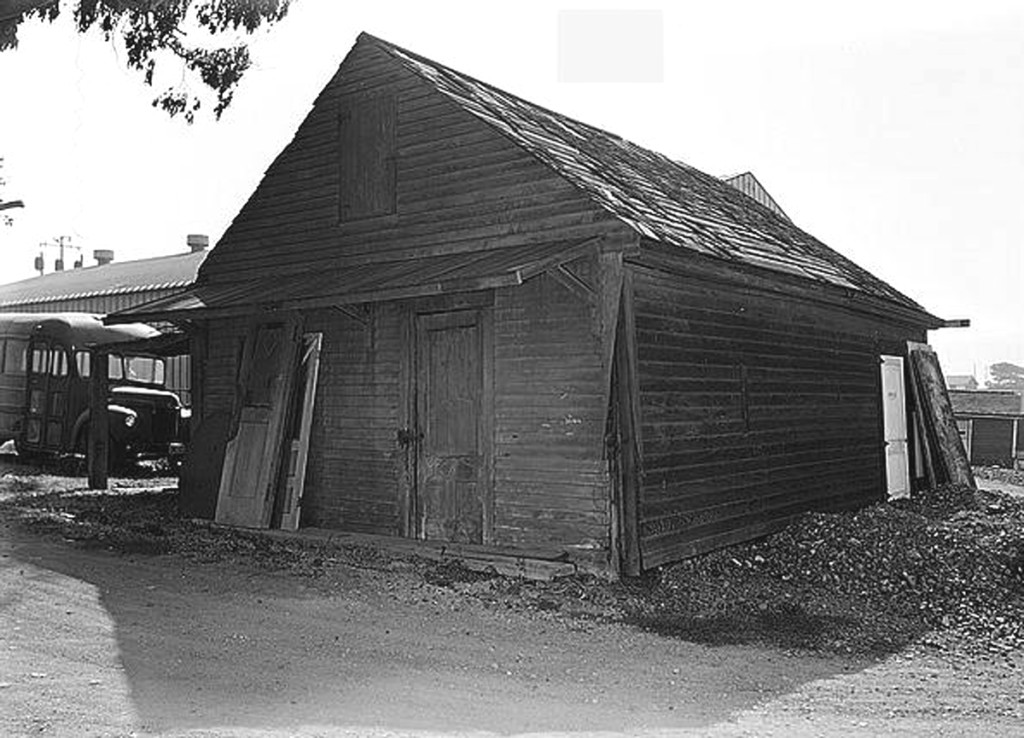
{"x": 663, "y": 200}
{"x": 117, "y": 278}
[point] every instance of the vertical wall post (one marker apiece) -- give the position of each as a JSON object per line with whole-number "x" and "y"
{"x": 99, "y": 423}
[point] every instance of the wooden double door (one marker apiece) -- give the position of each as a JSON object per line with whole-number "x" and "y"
{"x": 451, "y": 434}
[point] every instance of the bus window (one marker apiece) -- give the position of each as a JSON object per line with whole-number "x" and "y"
{"x": 83, "y": 362}
{"x": 144, "y": 369}
{"x": 39, "y": 363}
{"x": 58, "y": 362}
{"x": 114, "y": 369}
{"x": 14, "y": 356}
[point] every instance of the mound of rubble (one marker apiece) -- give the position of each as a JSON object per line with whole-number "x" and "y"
{"x": 868, "y": 581}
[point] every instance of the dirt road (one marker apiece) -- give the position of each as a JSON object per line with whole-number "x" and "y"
{"x": 95, "y": 643}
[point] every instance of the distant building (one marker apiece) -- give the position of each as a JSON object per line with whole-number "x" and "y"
{"x": 990, "y": 425}
{"x": 961, "y": 382}
{"x": 111, "y": 286}
{"x": 750, "y": 186}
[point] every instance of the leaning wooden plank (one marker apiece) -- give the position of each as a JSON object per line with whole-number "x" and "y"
{"x": 924, "y": 444}
{"x": 937, "y": 414}
{"x": 252, "y": 457}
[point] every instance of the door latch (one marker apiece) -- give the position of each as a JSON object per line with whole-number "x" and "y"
{"x": 407, "y": 436}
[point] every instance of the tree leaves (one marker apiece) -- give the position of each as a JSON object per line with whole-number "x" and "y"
{"x": 149, "y": 28}
{"x": 1005, "y": 375}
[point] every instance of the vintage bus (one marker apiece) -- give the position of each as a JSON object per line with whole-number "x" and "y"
{"x": 46, "y": 361}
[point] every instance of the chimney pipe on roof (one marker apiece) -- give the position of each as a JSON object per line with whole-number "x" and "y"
{"x": 197, "y": 242}
{"x": 103, "y": 256}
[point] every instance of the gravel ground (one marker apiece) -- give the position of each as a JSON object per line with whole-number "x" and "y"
{"x": 895, "y": 620}
{"x": 865, "y": 583}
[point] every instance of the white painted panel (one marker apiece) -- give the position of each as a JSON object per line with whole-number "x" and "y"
{"x": 894, "y": 415}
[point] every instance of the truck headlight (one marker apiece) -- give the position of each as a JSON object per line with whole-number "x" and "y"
{"x": 129, "y": 419}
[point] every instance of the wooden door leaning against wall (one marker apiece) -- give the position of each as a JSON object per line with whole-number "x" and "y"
{"x": 454, "y": 421}
{"x": 252, "y": 457}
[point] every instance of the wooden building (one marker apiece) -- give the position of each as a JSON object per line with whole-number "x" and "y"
{"x": 961, "y": 382}
{"x": 110, "y": 286}
{"x": 991, "y": 424}
{"x": 449, "y": 314}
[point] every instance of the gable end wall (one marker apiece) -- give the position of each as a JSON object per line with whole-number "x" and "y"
{"x": 461, "y": 186}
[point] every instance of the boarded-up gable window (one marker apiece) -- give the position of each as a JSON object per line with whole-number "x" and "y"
{"x": 366, "y": 146}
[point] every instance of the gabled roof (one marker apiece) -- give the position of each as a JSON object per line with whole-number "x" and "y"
{"x": 663, "y": 200}
{"x": 117, "y": 278}
{"x": 961, "y": 381}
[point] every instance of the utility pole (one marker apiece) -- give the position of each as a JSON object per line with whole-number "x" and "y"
{"x": 58, "y": 242}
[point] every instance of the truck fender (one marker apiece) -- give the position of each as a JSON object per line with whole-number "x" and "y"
{"x": 81, "y": 425}
{"x": 81, "y": 422}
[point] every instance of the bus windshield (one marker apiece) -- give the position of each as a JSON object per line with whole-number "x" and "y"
{"x": 141, "y": 369}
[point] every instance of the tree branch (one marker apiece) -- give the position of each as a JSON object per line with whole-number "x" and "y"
{"x": 148, "y": 27}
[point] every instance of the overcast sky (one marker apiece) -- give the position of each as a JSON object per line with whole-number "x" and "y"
{"x": 893, "y": 131}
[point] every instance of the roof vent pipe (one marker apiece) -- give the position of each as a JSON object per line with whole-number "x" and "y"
{"x": 103, "y": 256}
{"x": 197, "y": 242}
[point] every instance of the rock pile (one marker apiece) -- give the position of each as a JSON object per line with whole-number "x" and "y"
{"x": 870, "y": 580}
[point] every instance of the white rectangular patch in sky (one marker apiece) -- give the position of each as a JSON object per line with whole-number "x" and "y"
{"x": 610, "y": 46}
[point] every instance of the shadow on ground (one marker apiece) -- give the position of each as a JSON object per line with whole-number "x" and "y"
{"x": 204, "y": 642}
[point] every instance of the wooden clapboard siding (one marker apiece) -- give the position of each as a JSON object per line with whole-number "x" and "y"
{"x": 223, "y": 342}
{"x": 460, "y": 186}
{"x": 754, "y": 407}
{"x": 551, "y": 481}
{"x": 354, "y": 458}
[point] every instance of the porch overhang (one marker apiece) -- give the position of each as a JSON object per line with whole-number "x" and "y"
{"x": 362, "y": 283}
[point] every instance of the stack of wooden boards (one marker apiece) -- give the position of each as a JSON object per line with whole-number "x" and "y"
{"x": 942, "y": 450}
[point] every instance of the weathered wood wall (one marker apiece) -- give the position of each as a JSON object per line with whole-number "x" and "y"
{"x": 754, "y": 407}
{"x": 460, "y": 187}
{"x": 222, "y": 348}
{"x": 354, "y": 457}
{"x": 550, "y": 484}
{"x": 551, "y": 383}
{"x": 217, "y": 352}
{"x": 992, "y": 442}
